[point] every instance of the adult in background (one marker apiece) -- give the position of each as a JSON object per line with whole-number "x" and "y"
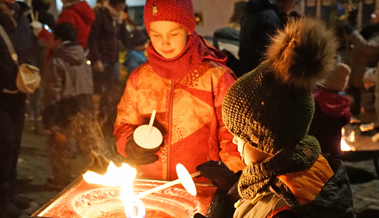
{"x": 76, "y": 12}
{"x": 365, "y": 53}
{"x": 12, "y": 102}
{"x": 261, "y": 21}
{"x": 40, "y": 8}
{"x": 106, "y": 32}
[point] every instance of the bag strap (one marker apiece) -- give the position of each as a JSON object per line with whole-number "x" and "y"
{"x": 9, "y": 44}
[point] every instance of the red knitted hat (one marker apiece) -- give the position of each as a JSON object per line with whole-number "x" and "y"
{"x": 178, "y": 11}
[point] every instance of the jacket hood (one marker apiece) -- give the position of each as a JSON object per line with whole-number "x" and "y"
{"x": 84, "y": 11}
{"x": 212, "y": 54}
{"x": 72, "y": 53}
{"x": 335, "y": 198}
{"x": 332, "y": 104}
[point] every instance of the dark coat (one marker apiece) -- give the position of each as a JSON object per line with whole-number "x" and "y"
{"x": 22, "y": 40}
{"x": 103, "y": 40}
{"x": 331, "y": 114}
{"x": 261, "y": 20}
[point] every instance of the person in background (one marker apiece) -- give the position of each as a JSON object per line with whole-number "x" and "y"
{"x": 364, "y": 54}
{"x": 68, "y": 89}
{"x": 185, "y": 81}
{"x": 76, "y": 12}
{"x": 269, "y": 111}
{"x": 260, "y": 22}
{"x": 107, "y": 31}
{"x": 368, "y": 94}
{"x": 226, "y": 39}
{"x": 136, "y": 55}
{"x": 368, "y": 113}
{"x": 99, "y": 5}
{"x": 12, "y": 102}
{"x": 39, "y": 10}
{"x": 332, "y": 111}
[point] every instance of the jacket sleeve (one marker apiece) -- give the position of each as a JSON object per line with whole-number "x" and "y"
{"x": 94, "y": 37}
{"x": 53, "y": 83}
{"x": 367, "y": 47}
{"x": 128, "y": 117}
{"x": 228, "y": 150}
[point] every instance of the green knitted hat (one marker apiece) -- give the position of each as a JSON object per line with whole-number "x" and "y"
{"x": 272, "y": 106}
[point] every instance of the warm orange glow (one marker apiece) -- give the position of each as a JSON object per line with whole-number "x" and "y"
{"x": 344, "y": 146}
{"x": 345, "y": 141}
{"x": 120, "y": 176}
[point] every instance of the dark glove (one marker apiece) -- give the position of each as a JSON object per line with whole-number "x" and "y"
{"x": 198, "y": 215}
{"x": 138, "y": 155}
{"x": 218, "y": 173}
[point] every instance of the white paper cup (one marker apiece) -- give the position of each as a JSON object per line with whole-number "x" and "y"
{"x": 151, "y": 141}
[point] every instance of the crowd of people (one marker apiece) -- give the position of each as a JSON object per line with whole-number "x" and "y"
{"x": 263, "y": 126}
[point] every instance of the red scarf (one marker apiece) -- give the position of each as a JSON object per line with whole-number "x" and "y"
{"x": 186, "y": 62}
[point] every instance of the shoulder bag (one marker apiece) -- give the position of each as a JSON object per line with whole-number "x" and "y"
{"x": 28, "y": 77}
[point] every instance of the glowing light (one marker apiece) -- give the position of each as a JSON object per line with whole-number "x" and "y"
{"x": 120, "y": 176}
{"x": 352, "y": 136}
{"x": 345, "y": 141}
{"x": 88, "y": 62}
{"x": 345, "y": 146}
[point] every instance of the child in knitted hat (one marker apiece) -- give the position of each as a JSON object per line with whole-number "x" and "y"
{"x": 184, "y": 80}
{"x": 269, "y": 111}
{"x": 332, "y": 111}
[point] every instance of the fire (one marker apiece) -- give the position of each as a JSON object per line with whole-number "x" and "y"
{"x": 344, "y": 140}
{"x": 120, "y": 176}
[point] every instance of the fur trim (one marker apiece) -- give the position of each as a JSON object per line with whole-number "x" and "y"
{"x": 303, "y": 54}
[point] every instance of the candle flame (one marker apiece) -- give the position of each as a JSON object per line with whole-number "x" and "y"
{"x": 344, "y": 141}
{"x": 352, "y": 136}
{"x": 120, "y": 176}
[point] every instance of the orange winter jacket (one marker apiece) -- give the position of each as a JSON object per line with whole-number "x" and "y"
{"x": 189, "y": 109}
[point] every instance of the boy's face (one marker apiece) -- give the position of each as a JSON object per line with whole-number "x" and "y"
{"x": 250, "y": 153}
{"x": 54, "y": 43}
{"x": 168, "y": 38}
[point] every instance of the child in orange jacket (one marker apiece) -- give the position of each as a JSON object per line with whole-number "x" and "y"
{"x": 185, "y": 81}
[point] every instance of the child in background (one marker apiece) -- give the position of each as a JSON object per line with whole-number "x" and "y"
{"x": 332, "y": 111}
{"x": 185, "y": 81}
{"x": 136, "y": 56}
{"x": 368, "y": 116}
{"x": 68, "y": 89}
{"x": 269, "y": 111}
{"x": 368, "y": 96}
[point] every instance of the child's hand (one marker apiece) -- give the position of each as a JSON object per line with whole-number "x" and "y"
{"x": 218, "y": 173}
{"x": 138, "y": 155}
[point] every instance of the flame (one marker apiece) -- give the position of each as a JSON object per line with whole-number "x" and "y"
{"x": 345, "y": 140}
{"x": 352, "y": 136}
{"x": 120, "y": 176}
{"x": 345, "y": 146}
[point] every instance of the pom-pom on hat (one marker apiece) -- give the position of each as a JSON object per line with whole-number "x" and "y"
{"x": 272, "y": 106}
{"x": 338, "y": 79}
{"x": 178, "y": 11}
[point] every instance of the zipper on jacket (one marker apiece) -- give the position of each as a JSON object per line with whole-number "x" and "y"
{"x": 170, "y": 128}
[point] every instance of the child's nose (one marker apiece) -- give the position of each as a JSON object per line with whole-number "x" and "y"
{"x": 166, "y": 41}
